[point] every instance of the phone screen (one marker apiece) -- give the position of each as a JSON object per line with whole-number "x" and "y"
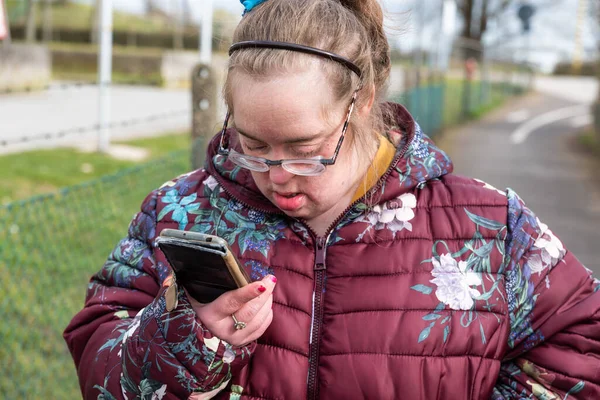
{"x": 204, "y": 274}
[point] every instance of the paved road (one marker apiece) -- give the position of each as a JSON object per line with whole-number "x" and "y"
{"x": 558, "y": 181}
{"x": 56, "y": 110}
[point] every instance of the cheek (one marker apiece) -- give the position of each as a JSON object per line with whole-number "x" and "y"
{"x": 261, "y": 179}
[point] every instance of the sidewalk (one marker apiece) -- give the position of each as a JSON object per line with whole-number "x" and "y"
{"x": 558, "y": 181}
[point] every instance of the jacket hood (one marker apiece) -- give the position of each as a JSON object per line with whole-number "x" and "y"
{"x": 417, "y": 161}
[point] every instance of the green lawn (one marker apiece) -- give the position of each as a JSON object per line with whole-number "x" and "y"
{"x": 45, "y": 171}
{"x": 51, "y": 244}
{"x": 79, "y": 16}
{"x": 590, "y": 141}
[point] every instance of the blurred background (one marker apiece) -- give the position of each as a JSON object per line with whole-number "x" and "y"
{"x": 102, "y": 101}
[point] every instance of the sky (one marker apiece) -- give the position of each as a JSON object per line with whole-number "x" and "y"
{"x": 551, "y": 40}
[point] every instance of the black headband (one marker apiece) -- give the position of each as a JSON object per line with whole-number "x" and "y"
{"x": 263, "y": 44}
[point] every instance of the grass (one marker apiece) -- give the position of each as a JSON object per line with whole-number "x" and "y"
{"x": 50, "y": 246}
{"x": 79, "y": 16}
{"x": 93, "y": 49}
{"x": 46, "y": 171}
{"x": 590, "y": 142}
{"x": 52, "y": 243}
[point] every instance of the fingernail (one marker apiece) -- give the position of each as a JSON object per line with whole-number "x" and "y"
{"x": 274, "y": 279}
{"x": 262, "y": 289}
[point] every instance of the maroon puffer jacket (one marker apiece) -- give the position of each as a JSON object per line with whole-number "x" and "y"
{"x": 446, "y": 289}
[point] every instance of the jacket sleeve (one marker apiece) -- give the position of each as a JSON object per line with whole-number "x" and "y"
{"x": 124, "y": 342}
{"x": 554, "y": 308}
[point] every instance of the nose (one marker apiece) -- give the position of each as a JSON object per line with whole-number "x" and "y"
{"x": 279, "y": 176}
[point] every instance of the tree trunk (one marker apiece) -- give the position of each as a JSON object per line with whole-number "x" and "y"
{"x": 95, "y": 22}
{"x": 178, "y": 25}
{"x": 47, "y": 21}
{"x": 30, "y": 24}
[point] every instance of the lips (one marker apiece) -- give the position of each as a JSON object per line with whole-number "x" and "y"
{"x": 289, "y": 201}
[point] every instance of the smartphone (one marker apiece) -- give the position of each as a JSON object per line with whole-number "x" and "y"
{"x": 203, "y": 264}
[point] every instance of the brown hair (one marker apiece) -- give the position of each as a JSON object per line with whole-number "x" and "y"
{"x": 350, "y": 28}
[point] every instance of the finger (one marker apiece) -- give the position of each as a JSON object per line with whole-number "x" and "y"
{"x": 260, "y": 330}
{"x": 254, "y": 310}
{"x": 230, "y": 302}
{"x": 254, "y": 305}
{"x": 256, "y": 328}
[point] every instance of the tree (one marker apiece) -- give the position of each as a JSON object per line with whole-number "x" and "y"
{"x": 47, "y": 21}
{"x": 476, "y": 16}
{"x": 30, "y": 24}
{"x": 95, "y": 21}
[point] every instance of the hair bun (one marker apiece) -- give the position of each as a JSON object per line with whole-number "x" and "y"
{"x": 370, "y": 14}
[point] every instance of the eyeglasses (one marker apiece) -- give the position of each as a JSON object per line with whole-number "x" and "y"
{"x": 304, "y": 167}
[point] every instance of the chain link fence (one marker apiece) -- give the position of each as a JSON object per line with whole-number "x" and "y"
{"x": 50, "y": 246}
{"x": 475, "y": 81}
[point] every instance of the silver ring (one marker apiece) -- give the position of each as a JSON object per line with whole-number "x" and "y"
{"x": 238, "y": 325}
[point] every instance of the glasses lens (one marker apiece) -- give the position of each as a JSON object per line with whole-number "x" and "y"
{"x": 248, "y": 162}
{"x": 304, "y": 168}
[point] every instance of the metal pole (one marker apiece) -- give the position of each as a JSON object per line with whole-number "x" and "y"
{"x": 206, "y": 32}
{"x": 104, "y": 74}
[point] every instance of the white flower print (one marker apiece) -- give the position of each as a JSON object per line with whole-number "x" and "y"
{"x": 393, "y": 215}
{"x": 123, "y": 391}
{"x": 228, "y": 356}
{"x": 159, "y": 393}
{"x": 134, "y": 325}
{"x": 211, "y": 182}
{"x": 132, "y": 328}
{"x": 454, "y": 282}
{"x": 212, "y": 343}
{"x": 552, "y": 250}
{"x": 490, "y": 187}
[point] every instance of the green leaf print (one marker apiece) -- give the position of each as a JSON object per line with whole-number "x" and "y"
{"x": 432, "y": 317}
{"x": 446, "y": 333}
{"x": 425, "y": 332}
{"x": 422, "y": 288}
{"x": 575, "y": 389}
{"x": 484, "y": 222}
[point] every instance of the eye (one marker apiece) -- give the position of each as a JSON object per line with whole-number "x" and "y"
{"x": 306, "y": 151}
{"x": 255, "y": 147}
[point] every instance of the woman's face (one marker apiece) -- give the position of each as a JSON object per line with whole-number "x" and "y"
{"x": 290, "y": 117}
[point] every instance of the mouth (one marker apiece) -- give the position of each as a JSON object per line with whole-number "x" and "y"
{"x": 287, "y": 195}
{"x": 289, "y": 201}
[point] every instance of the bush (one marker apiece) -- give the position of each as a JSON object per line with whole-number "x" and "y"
{"x": 587, "y": 69}
{"x": 125, "y": 38}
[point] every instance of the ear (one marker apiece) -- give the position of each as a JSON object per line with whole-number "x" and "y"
{"x": 365, "y": 109}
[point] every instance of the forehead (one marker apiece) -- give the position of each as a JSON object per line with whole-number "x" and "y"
{"x": 283, "y": 98}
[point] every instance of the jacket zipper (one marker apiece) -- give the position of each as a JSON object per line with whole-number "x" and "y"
{"x": 320, "y": 276}
{"x": 317, "y": 317}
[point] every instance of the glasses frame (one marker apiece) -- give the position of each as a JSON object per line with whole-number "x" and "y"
{"x": 223, "y": 150}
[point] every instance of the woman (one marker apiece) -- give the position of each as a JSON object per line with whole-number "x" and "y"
{"x": 379, "y": 274}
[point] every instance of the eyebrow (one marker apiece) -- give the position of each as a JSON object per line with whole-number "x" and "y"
{"x": 291, "y": 141}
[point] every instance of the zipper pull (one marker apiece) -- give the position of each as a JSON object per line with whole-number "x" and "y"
{"x": 320, "y": 254}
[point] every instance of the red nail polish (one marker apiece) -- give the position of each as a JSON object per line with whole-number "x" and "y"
{"x": 274, "y": 279}
{"x": 262, "y": 289}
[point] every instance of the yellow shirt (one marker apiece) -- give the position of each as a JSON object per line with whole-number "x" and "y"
{"x": 381, "y": 162}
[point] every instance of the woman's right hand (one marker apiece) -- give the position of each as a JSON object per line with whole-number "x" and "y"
{"x": 251, "y": 304}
